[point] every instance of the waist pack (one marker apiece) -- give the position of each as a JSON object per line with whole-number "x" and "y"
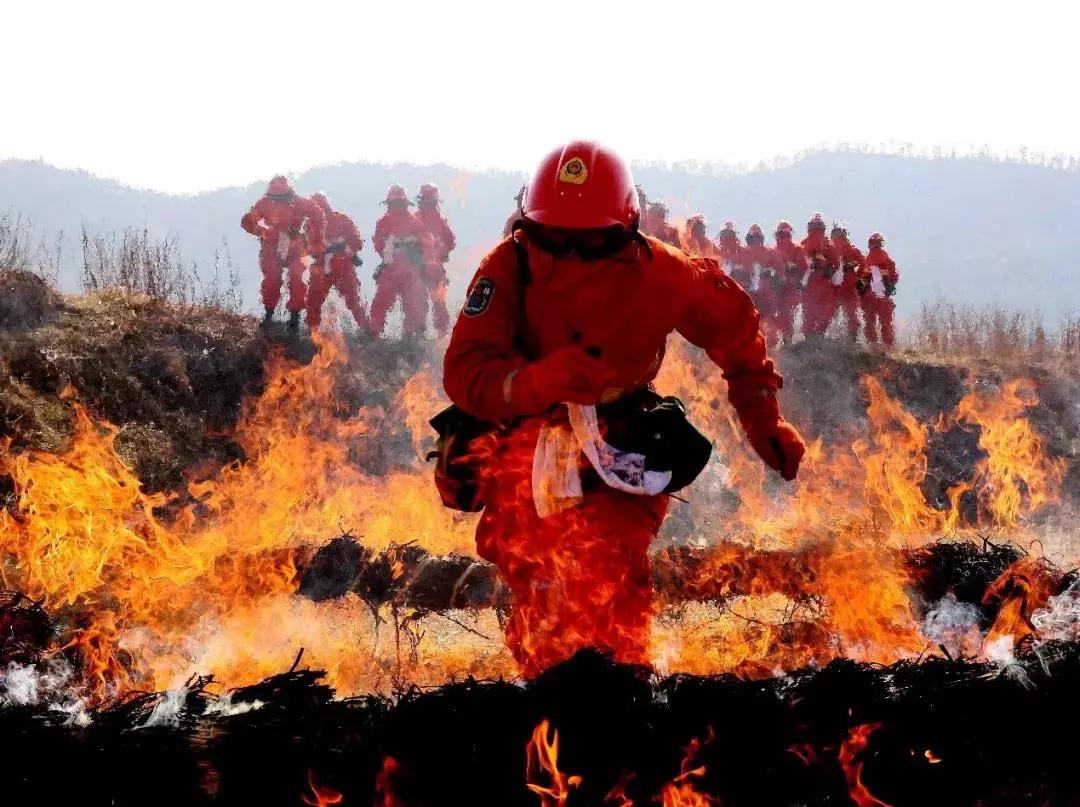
{"x": 642, "y": 422}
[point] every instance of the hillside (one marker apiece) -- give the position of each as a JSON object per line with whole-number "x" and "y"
{"x": 969, "y": 230}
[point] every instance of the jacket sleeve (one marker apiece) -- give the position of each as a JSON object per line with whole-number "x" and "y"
{"x": 353, "y": 238}
{"x": 250, "y": 221}
{"x": 316, "y": 225}
{"x": 449, "y": 241}
{"x": 482, "y": 353}
{"x": 379, "y": 237}
{"x": 721, "y": 319}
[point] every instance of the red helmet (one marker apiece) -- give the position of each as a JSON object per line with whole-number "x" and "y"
{"x": 428, "y": 193}
{"x": 784, "y": 228}
{"x": 876, "y": 239}
{"x": 816, "y": 223}
{"x": 697, "y": 222}
{"x": 320, "y": 199}
{"x": 582, "y": 185}
{"x": 755, "y": 231}
{"x": 729, "y": 230}
{"x": 279, "y": 186}
{"x": 396, "y": 193}
{"x": 839, "y": 228}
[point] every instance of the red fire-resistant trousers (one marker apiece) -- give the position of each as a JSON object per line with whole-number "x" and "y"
{"x": 274, "y": 258}
{"x": 820, "y": 303}
{"x": 341, "y": 275}
{"x": 878, "y": 310}
{"x": 580, "y": 578}
{"x": 437, "y": 283}
{"x": 787, "y": 301}
{"x": 400, "y": 279}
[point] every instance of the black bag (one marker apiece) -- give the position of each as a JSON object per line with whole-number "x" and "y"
{"x": 657, "y": 427}
{"x": 456, "y": 471}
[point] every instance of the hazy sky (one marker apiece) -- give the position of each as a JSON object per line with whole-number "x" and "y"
{"x": 185, "y": 96}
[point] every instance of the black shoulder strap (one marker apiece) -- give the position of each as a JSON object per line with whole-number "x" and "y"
{"x": 524, "y": 280}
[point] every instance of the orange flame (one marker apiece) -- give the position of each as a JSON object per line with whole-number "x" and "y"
{"x": 541, "y": 763}
{"x": 681, "y": 792}
{"x": 850, "y": 752}
{"x": 321, "y": 796}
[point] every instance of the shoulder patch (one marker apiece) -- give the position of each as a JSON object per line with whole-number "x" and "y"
{"x": 480, "y": 297}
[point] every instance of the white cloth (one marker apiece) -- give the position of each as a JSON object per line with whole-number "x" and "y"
{"x": 837, "y": 277}
{"x": 877, "y": 282}
{"x": 283, "y": 243}
{"x": 755, "y": 278}
{"x": 556, "y": 477}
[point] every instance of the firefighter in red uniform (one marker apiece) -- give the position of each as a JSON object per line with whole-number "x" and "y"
{"x": 439, "y": 243}
{"x": 732, "y": 259}
{"x": 513, "y": 218}
{"x": 851, "y": 261}
{"x": 876, "y": 284}
{"x": 536, "y": 350}
{"x": 338, "y": 269}
{"x": 791, "y": 265}
{"x": 399, "y": 240}
{"x": 656, "y": 225}
{"x": 819, "y": 297}
{"x": 289, "y": 227}
{"x": 763, "y": 267}
{"x": 696, "y": 239}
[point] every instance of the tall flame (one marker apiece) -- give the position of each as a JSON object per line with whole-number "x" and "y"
{"x": 542, "y": 763}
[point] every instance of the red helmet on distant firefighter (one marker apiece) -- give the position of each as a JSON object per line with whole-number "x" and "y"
{"x": 582, "y": 185}
{"x": 428, "y": 194}
{"x": 697, "y": 223}
{"x": 729, "y": 231}
{"x": 755, "y": 235}
{"x": 839, "y": 228}
{"x": 320, "y": 199}
{"x": 279, "y": 186}
{"x": 876, "y": 240}
{"x": 816, "y": 223}
{"x": 784, "y": 228}
{"x": 397, "y": 196}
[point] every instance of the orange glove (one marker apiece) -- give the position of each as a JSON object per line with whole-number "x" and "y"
{"x": 779, "y": 444}
{"x": 568, "y": 375}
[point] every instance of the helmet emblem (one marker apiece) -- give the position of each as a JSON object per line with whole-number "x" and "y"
{"x": 574, "y": 171}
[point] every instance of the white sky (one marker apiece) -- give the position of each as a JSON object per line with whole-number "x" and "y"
{"x": 189, "y": 95}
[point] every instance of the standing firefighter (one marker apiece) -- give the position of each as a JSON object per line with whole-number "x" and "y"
{"x": 561, "y": 335}
{"x": 656, "y": 224}
{"x": 764, "y": 270}
{"x": 696, "y": 239}
{"x": 877, "y": 285}
{"x": 399, "y": 240}
{"x": 732, "y": 259}
{"x": 438, "y": 245}
{"x": 819, "y": 297}
{"x": 791, "y": 262}
{"x": 851, "y": 262}
{"x": 338, "y": 268}
{"x": 288, "y": 227}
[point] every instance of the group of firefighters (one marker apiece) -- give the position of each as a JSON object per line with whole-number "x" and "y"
{"x": 413, "y": 249}
{"x": 824, "y": 274}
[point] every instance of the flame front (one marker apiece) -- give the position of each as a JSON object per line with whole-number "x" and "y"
{"x": 151, "y": 588}
{"x": 542, "y": 763}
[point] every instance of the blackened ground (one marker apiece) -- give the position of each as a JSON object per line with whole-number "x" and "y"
{"x": 950, "y": 734}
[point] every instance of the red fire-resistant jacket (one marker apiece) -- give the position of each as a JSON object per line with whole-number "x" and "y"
{"x": 398, "y": 223}
{"x": 441, "y": 238}
{"x": 273, "y": 215}
{"x": 593, "y": 304}
{"x": 820, "y": 251}
{"x": 341, "y": 233}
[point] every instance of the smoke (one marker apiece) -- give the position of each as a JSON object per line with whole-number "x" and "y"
{"x": 953, "y": 625}
{"x": 50, "y": 684}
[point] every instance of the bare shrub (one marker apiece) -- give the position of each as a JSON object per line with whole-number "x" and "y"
{"x": 23, "y": 249}
{"x": 138, "y": 263}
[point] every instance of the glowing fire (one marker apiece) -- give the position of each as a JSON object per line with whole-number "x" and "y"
{"x": 151, "y": 588}
{"x": 681, "y": 792}
{"x": 321, "y": 796}
{"x": 851, "y": 751}
{"x": 542, "y": 763}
